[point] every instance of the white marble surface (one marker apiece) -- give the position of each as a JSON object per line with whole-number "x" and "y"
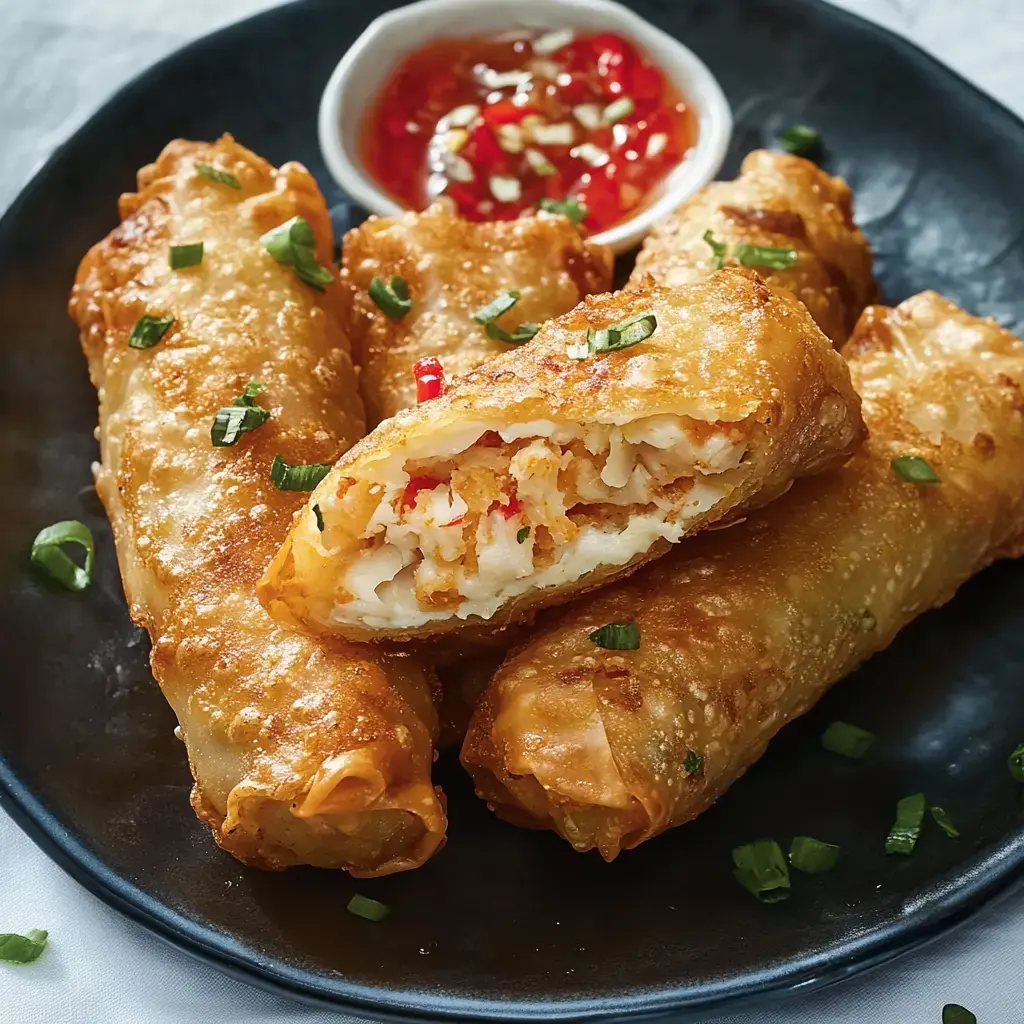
{"x": 59, "y": 59}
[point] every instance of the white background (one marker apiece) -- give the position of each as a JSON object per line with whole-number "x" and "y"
{"x": 59, "y": 59}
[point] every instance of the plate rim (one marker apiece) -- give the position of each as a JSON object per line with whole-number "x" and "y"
{"x": 991, "y": 877}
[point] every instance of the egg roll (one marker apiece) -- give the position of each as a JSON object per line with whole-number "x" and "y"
{"x": 452, "y": 268}
{"x": 569, "y": 462}
{"x": 782, "y": 202}
{"x": 302, "y": 752}
{"x": 741, "y": 631}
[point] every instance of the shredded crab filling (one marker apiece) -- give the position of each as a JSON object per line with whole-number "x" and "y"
{"x": 518, "y": 508}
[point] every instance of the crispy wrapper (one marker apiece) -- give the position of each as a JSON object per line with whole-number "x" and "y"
{"x": 301, "y": 752}
{"x": 744, "y": 629}
{"x": 453, "y": 267}
{"x": 546, "y": 473}
{"x": 781, "y": 201}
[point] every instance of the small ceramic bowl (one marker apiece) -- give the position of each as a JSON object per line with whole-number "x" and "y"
{"x": 368, "y": 64}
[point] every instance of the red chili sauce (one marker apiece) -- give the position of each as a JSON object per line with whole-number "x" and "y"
{"x": 499, "y": 124}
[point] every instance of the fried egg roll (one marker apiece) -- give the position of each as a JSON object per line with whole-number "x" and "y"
{"x": 743, "y": 630}
{"x": 782, "y": 202}
{"x": 569, "y": 462}
{"x": 302, "y": 753}
{"x": 452, "y": 268}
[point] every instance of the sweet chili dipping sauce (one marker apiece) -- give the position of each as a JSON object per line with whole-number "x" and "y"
{"x": 501, "y": 124}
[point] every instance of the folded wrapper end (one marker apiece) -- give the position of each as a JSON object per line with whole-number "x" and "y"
{"x": 559, "y": 773}
{"x": 362, "y": 810}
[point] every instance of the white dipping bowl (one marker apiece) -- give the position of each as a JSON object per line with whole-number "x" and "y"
{"x": 370, "y": 62}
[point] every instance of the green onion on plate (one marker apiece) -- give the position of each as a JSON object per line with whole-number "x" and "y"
{"x": 811, "y": 855}
{"x": 761, "y": 868}
{"x": 49, "y": 556}
{"x": 849, "y": 740}
{"x": 370, "y": 910}
{"x": 906, "y": 829}
{"x": 22, "y": 949}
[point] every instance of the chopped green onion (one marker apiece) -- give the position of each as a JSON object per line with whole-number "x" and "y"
{"x": 903, "y": 835}
{"x": 232, "y": 421}
{"x": 239, "y": 418}
{"x": 502, "y": 304}
{"x": 371, "y": 910}
{"x": 719, "y": 250}
{"x": 393, "y": 299}
{"x": 914, "y": 470}
{"x": 624, "y": 335}
{"x": 523, "y": 333}
{"x": 617, "y": 110}
{"x": 569, "y": 207}
{"x": 1015, "y": 762}
{"x": 750, "y": 255}
{"x": 617, "y": 636}
{"x": 761, "y": 868}
{"x": 297, "y": 478}
{"x": 954, "y": 1013}
{"x": 315, "y": 275}
{"x": 771, "y": 256}
{"x": 249, "y": 392}
{"x": 319, "y": 518}
{"x": 217, "y": 175}
{"x": 182, "y": 256}
{"x": 22, "y": 949}
{"x": 848, "y": 740}
{"x": 944, "y": 821}
{"x": 812, "y": 855}
{"x": 48, "y": 555}
{"x": 522, "y": 534}
{"x": 294, "y": 244}
{"x": 801, "y": 140}
{"x": 148, "y": 330}
{"x": 693, "y": 763}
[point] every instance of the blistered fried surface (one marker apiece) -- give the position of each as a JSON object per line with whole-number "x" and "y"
{"x": 453, "y": 267}
{"x": 301, "y": 753}
{"x": 783, "y": 201}
{"x": 726, "y": 349}
{"x": 744, "y": 629}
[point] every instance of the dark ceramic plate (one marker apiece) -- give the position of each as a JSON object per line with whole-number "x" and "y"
{"x": 506, "y": 923}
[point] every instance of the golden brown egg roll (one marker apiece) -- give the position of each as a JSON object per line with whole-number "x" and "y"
{"x": 301, "y": 752}
{"x": 780, "y": 201}
{"x": 452, "y": 268}
{"x": 744, "y": 629}
{"x": 565, "y": 464}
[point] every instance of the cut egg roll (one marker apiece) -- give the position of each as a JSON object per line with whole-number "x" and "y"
{"x": 447, "y": 270}
{"x": 633, "y": 710}
{"x": 784, "y": 216}
{"x": 215, "y": 347}
{"x": 633, "y": 421}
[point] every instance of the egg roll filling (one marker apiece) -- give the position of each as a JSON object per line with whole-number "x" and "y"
{"x": 494, "y": 511}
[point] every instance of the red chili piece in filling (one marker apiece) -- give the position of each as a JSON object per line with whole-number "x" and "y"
{"x": 429, "y": 379}
{"x": 513, "y": 508}
{"x": 500, "y": 124}
{"x": 414, "y": 486}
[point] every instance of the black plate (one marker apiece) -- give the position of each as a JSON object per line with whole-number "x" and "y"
{"x": 505, "y": 923}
